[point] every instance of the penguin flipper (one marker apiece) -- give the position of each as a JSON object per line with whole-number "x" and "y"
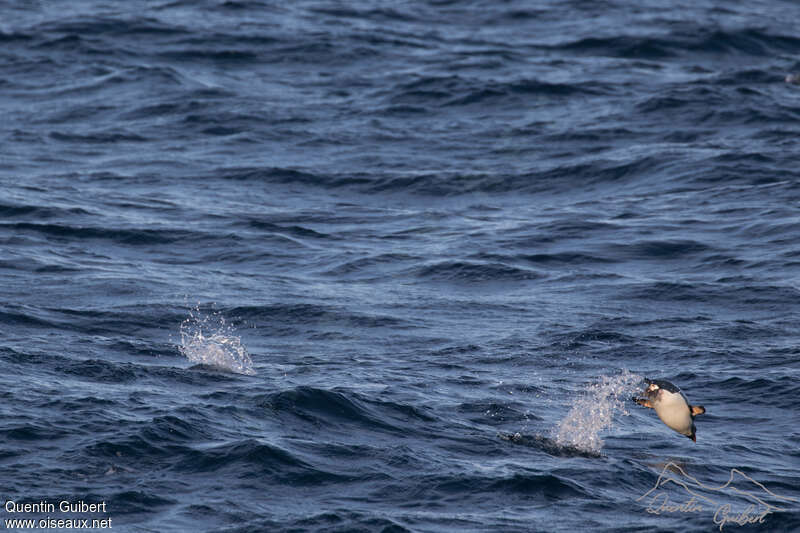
{"x": 644, "y": 402}
{"x": 697, "y": 410}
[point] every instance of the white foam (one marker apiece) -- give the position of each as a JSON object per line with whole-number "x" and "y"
{"x": 209, "y": 340}
{"x": 594, "y": 411}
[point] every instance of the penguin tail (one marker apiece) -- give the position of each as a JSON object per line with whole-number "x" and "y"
{"x": 693, "y": 437}
{"x": 698, "y": 410}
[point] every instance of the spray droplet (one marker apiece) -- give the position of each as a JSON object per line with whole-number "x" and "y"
{"x": 209, "y": 340}
{"x": 594, "y": 411}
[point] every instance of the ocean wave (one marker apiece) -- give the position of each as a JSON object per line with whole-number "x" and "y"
{"x": 137, "y": 502}
{"x": 32, "y": 432}
{"x": 96, "y": 26}
{"x": 100, "y": 371}
{"x": 254, "y": 459}
{"x": 559, "y": 177}
{"x": 548, "y": 445}
{"x": 380, "y": 265}
{"x": 592, "y": 335}
{"x": 344, "y": 409}
{"x": 40, "y": 212}
{"x": 127, "y": 236}
{"x": 530, "y": 485}
{"x": 338, "y": 519}
{"x": 97, "y": 137}
{"x": 293, "y": 230}
{"x": 622, "y": 46}
{"x": 209, "y": 54}
{"x": 475, "y": 272}
{"x": 778, "y": 392}
{"x": 498, "y": 413}
{"x": 570, "y": 259}
{"x": 305, "y": 314}
{"x": 714, "y": 293}
{"x": 747, "y": 41}
{"x": 661, "y": 250}
{"x": 459, "y": 91}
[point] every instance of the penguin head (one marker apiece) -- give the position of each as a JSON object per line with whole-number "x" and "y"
{"x": 658, "y": 389}
{"x": 653, "y": 390}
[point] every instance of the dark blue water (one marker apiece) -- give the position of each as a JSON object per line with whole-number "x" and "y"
{"x": 398, "y": 266}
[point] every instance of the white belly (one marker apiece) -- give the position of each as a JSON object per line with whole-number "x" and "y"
{"x": 673, "y": 410}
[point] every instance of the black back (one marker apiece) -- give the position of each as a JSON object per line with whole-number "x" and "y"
{"x": 666, "y": 385}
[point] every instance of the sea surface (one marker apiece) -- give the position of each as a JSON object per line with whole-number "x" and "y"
{"x": 398, "y": 266}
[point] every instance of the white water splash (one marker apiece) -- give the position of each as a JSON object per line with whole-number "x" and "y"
{"x": 209, "y": 340}
{"x": 594, "y": 411}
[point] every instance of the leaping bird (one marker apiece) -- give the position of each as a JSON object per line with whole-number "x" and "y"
{"x": 671, "y": 406}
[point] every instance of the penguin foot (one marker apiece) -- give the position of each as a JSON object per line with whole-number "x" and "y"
{"x": 643, "y": 402}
